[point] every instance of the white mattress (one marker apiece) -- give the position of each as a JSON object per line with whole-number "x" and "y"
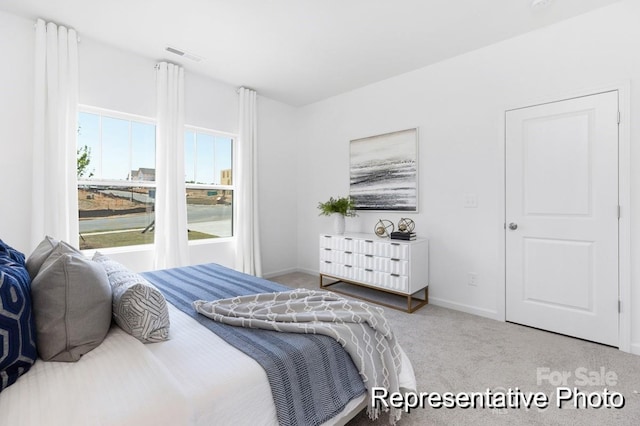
{"x": 195, "y": 378}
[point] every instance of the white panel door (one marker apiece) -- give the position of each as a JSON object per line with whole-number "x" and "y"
{"x": 562, "y": 217}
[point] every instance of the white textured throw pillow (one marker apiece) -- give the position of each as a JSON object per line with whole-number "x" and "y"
{"x": 139, "y": 308}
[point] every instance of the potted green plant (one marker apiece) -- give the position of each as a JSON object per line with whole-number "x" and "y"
{"x": 339, "y": 208}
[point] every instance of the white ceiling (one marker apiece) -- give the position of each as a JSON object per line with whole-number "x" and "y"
{"x": 302, "y": 51}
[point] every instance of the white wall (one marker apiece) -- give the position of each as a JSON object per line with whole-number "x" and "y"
{"x": 114, "y": 79}
{"x": 458, "y": 106}
{"x": 278, "y": 203}
{"x": 17, "y": 38}
{"x": 118, "y": 80}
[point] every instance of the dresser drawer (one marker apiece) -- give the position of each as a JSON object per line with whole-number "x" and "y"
{"x": 391, "y": 250}
{"x": 366, "y": 246}
{"x": 391, "y": 281}
{"x": 327, "y": 267}
{"x": 338, "y": 256}
{"x": 338, "y": 243}
{"x": 327, "y": 254}
{"x": 347, "y": 258}
{"x": 394, "y": 266}
{"x": 365, "y": 275}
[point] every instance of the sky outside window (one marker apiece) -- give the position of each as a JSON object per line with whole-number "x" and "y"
{"x": 204, "y": 161}
{"x": 89, "y": 135}
{"x": 143, "y": 146}
{"x": 223, "y": 158}
{"x": 206, "y": 156}
{"x": 130, "y": 145}
{"x": 115, "y": 149}
{"x": 125, "y": 145}
{"x": 189, "y": 157}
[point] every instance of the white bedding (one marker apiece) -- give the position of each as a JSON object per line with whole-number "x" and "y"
{"x": 118, "y": 383}
{"x": 195, "y": 378}
{"x": 217, "y": 395}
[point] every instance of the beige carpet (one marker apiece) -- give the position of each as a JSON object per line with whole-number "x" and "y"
{"x": 456, "y": 352}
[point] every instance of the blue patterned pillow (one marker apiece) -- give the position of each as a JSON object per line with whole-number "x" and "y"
{"x": 11, "y": 253}
{"x": 17, "y": 328}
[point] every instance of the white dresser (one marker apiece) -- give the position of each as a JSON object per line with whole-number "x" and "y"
{"x": 393, "y": 266}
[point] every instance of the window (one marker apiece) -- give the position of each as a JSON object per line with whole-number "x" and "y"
{"x": 116, "y": 179}
{"x": 209, "y": 183}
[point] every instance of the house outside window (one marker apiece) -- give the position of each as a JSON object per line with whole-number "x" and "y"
{"x": 116, "y": 179}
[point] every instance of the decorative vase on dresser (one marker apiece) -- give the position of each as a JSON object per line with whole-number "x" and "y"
{"x": 392, "y": 266}
{"x": 338, "y": 223}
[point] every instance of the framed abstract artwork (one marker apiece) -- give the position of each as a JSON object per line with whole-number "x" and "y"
{"x": 383, "y": 171}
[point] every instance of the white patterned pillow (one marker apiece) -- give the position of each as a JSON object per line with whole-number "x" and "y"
{"x": 139, "y": 308}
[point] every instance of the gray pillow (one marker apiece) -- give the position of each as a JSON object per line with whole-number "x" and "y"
{"x": 71, "y": 304}
{"x": 139, "y": 308}
{"x": 42, "y": 252}
{"x": 39, "y": 255}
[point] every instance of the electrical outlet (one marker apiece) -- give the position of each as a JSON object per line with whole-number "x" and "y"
{"x": 473, "y": 279}
{"x": 470, "y": 201}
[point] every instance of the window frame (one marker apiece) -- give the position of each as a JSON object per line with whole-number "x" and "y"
{"x": 232, "y": 187}
{"x": 119, "y": 115}
{"x": 83, "y": 108}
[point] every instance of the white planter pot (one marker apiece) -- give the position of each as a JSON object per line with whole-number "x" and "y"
{"x": 338, "y": 223}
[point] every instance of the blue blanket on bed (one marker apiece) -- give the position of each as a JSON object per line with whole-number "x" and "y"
{"x": 312, "y": 377}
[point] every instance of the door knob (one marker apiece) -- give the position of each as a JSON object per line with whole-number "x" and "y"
{"x": 513, "y": 226}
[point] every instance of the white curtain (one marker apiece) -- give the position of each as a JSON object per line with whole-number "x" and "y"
{"x": 54, "y": 186}
{"x": 246, "y": 176}
{"x": 171, "y": 245}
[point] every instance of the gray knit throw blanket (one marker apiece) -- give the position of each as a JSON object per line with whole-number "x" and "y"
{"x": 360, "y": 328}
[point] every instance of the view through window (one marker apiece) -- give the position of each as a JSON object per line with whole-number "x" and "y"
{"x": 116, "y": 180}
{"x": 209, "y": 183}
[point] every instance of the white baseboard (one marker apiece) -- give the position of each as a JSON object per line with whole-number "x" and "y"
{"x": 269, "y": 275}
{"x": 308, "y": 271}
{"x": 487, "y": 313}
{"x": 635, "y": 348}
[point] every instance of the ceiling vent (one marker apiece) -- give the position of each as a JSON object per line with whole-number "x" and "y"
{"x": 188, "y": 55}
{"x": 538, "y": 4}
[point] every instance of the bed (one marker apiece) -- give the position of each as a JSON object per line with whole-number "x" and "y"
{"x": 194, "y": 378}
